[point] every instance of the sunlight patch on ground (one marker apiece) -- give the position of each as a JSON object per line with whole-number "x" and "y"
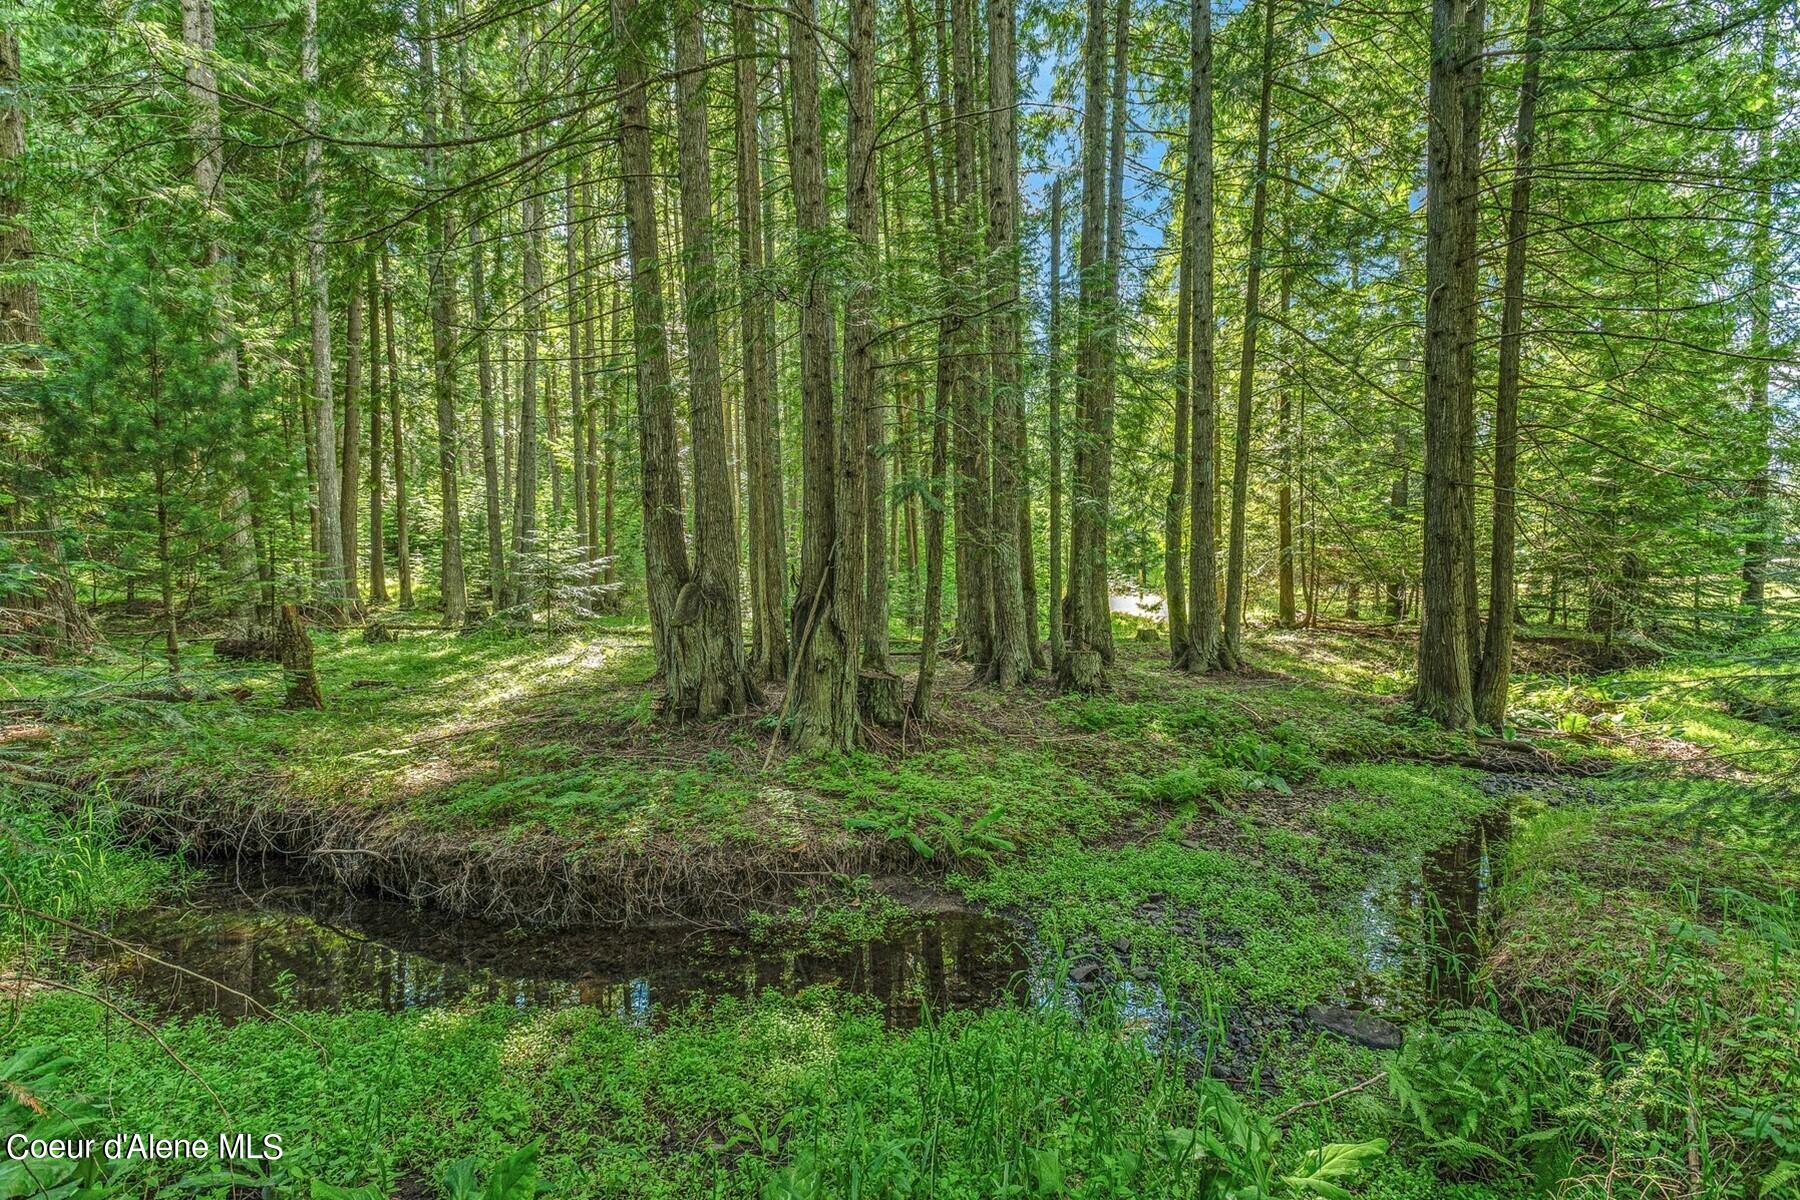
{"x": 581, "y": 656}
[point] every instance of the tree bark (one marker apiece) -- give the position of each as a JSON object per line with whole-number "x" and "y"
{"x": 1086, "y": 629}
{"x": 1174, "y": 585}
{"x": 328, "y": 585}
{"x": 1493, "y": 676}
{"x": 297, "y": 661}
{"x": 1204, "y": 625}
{"x": 525, "y": 488}
{"x": 768, "y": 557}
{"x": 1445, "y": 691}
{"x": 824, "y": 704}
{"x": 1231, "y": 645}
{"x": 1100, "y": 576}
{"x": 1285, "y": 550}
{"x": 197, "y": 37}
{"x": 439, "y": 238}
{"x": 862, "y": 481}
{"x": 397, "y": 427}
{"x": 975, "y": 546}
{"x": 572, "y": 285}
{"x": 591, "y": 308}
{"x": 709, "y": 600}
{"x": 350, "y": 469}
{"x": 378, "y": 592}
{"x": 484, "y": 377}
{"x": 1053, "y": 351}
{"x": 666, "y": 572}
{"x": 931, "y": 619}
{"x": 1010, "y": 661}
{"x": 1761, "y": 515}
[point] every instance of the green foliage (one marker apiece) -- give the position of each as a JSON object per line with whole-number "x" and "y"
{"x": 29, "y": 1078}
{"x": 1484, "y": 1096}
{"x": 513, "y": 1177}
{"x": 68, "y": 863}
{"x": 847, "y": 912}
{"x": 776, "y": 1098}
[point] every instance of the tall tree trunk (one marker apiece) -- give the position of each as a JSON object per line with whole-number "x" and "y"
{"x": 970, "y": 434}
{"x": 931, "y": 620}
{"x": 1053, "y": 351}
{"x": 1398, "y": 500}
{"x": 861, "y": 582}
{"x": 823, "y": 707}
{"x": 198, "y": 40}
{"x": 1445, "y": 690}
{"x": 572, "y": 286}
{"x": 1100, "y": 574}
{"x": 1174, "y": 585}
{"x": 439, "y": 238}
{"x": 708, "y": 602}
{"x": 768, "y": 557}
{"x": 1494, "y": 673}
{"x": 666, "y": 572}
{"x": 1231, "y": 646}
{"x": 616, "y": 384}
{"x": 328, "y": 586}
{"x": 1083, "y": 661}
{"x": 525, "y": 494}
{"x": 1285, "y": 550}
{"x": 1399, "y": 491}
{"x": 1762, "y": 276}
{"x": 1010, "y": 661}
{"x": 484, "y": 376}
{"x": 378, "y": 592}
{"x": 1469, "y": 186}
{"x": 397, "y": 427}
{"x": 350, "y": 469}
{"x": 591, "y": 307}
{"x": 1204, "y": 625}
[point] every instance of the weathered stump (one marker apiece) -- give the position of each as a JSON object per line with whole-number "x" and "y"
{"x": 378, "y": 633}
{"x": 297, "y": 661}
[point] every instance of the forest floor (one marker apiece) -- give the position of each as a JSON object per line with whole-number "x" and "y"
{"x": 1586, "y": 927}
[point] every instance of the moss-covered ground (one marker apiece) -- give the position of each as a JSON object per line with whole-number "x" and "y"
{"x": 1633, "y": 1025}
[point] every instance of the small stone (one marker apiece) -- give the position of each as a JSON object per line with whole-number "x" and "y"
{"x": 1365, "y": 1029}
{"x": 1121, "y": 946}
{"x": 1084, "y": 970}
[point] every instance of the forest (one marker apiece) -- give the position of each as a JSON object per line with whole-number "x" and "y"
{"x": 899, "y": 598}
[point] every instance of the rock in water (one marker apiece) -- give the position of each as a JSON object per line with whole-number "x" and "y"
{"x": 1365, "y": 1029}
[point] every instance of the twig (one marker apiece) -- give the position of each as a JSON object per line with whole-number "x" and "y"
{"x": 1337, "y": 1095}
{"x": 163, "y": 962}
{"x": 110, "y": 1006}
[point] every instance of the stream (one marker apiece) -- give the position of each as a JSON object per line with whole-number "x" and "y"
{"x": 284, "y": 939}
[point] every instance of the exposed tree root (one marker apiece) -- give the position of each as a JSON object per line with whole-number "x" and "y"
{"x": 539, "y": 880}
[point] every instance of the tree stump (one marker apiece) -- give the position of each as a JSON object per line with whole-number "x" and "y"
{"x": 297, "y": 661}
{"x": 378, "y": 633}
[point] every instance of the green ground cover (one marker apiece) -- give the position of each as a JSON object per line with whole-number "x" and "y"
{"x": 1634, "y": 1029}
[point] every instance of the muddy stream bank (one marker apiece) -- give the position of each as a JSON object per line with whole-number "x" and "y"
{"x": 287, "y": 939}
